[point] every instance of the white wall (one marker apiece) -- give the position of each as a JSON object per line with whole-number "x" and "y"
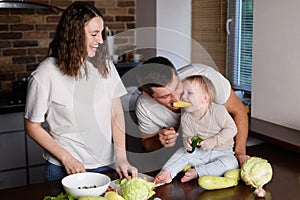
{"x": 174, "y": 30}
{"x": 276, "y": 62}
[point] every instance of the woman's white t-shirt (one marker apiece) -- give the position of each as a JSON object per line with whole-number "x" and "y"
{"x": 77, "y": 110}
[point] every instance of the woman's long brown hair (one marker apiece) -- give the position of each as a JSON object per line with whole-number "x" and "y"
{"x": 68, "y": 44}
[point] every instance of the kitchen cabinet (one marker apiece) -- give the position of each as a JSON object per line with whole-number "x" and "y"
{"x": 12, "y": 150}
{"x": 21, "y": 158}
{"x": 13, "y": 178}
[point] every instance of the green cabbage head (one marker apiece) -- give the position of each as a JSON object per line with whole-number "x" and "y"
{"x": 256, "y": 172}
{"x": 136, "y": 189}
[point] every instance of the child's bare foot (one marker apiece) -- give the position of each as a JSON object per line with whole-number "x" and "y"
{"x": 189, "y": 175}
{"x": 163, "y": 176}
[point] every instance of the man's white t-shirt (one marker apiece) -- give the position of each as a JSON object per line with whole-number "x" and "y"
{"x": 153, "y": 116}
{"x": 78, "y": 111}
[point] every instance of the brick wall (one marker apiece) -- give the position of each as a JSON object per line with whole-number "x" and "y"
{"x": 25, "y": 34}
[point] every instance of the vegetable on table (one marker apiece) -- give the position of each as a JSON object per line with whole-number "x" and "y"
{"x": 233, "y": 174}
{"x": 230, "y": 179}
{"x": 113, "y": 196}
{"x": 136, "y": 188}
{"x": 257, "y": 172}
{"x": 61, "y": 196}
{"x": 210, "y": 182}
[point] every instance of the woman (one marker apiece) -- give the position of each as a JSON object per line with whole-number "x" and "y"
{"x": 77, "y": 91}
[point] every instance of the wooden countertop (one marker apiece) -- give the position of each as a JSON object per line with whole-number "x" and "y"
{"x": 276, "y": 134}
{"x": 285, "y": 183}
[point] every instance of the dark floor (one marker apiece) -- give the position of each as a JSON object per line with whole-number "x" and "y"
{"x": 285, "y": 184}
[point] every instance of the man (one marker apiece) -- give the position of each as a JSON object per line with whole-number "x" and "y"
{"x": 159, "y": 120}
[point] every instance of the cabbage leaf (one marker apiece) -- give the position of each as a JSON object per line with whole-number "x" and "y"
{"x": 136, "y": 188}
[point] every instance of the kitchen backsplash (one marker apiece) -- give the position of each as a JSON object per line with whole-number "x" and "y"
{"x": 26, "y": 33}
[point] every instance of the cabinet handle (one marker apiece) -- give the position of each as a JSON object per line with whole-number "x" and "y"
{"x": 227, "y": 26}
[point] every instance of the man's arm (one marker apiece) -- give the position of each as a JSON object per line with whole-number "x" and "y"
{"x": 238, "y": 111}
{"x": 151, "y": 143}
{"x": 163, "y": 138}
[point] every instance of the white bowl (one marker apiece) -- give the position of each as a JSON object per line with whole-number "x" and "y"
{"x": 71, "y": 184}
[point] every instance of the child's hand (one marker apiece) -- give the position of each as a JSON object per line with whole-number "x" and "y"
{"x": 187, "y": 143}
{"x": 208, "y": 144}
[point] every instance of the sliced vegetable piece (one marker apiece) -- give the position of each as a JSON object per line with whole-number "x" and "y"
{"x": 181, "y": 104}
{"x": 187, "y": 167}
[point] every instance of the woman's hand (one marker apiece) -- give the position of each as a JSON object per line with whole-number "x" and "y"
{"x": 72, "y": 165}
{"x": 167, "y": 137}
{"x": 124, "y": 169}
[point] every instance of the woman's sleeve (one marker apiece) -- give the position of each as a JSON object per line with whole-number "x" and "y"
{"x": 36, "y": 101}
{"x": 117, "y": 86}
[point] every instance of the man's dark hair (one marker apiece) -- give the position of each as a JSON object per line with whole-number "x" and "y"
{"x": 160, "y": 60}
{"x": 155, "y": 72}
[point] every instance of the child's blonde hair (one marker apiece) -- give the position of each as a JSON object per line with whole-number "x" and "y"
{"x": 206, "y": 85}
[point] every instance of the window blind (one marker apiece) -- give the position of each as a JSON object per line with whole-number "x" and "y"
{"x": 239, "y": 43}
{"x": 208, "y": 19}
{"x": 246, "y": 44}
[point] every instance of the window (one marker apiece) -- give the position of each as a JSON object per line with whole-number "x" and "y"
{"x": 239, "y": 43}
